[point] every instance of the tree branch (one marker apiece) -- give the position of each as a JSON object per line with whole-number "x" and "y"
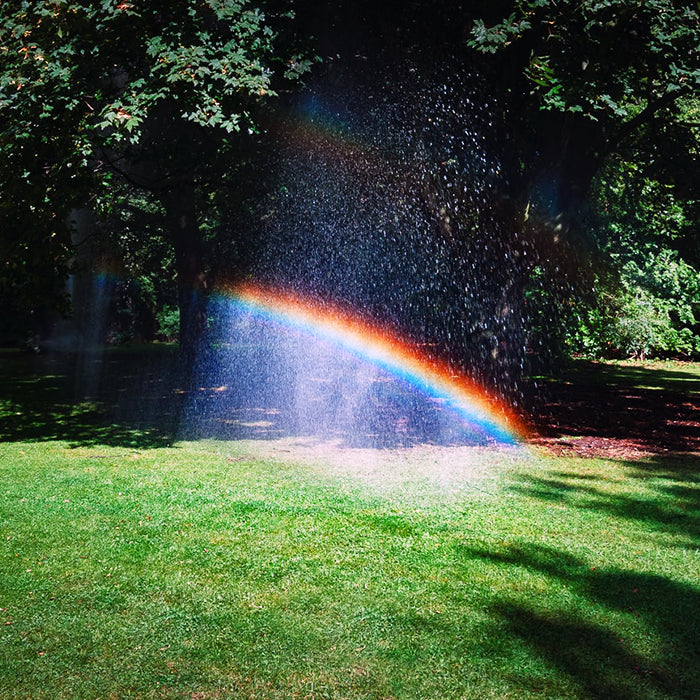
{"x": 645, "y": 115}
{"x": 140, "y": 184}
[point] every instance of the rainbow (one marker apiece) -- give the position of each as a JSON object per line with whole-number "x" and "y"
{"x": 385, "y": 350}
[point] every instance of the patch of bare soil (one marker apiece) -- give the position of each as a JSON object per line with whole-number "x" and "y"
{"x": 431, "y": 468}
{"x": 598, "y": 419}
{"x": 591, "y": 446}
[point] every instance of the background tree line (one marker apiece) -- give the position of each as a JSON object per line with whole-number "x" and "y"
{"x": 158, "y": 127}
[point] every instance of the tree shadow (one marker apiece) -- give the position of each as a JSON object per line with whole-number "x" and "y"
{"x": 664, "y": 499}
{"x": 593, "y": 657}
{"x": 669, "y": 502}
{"x": 657, "y": 408}
{"x": 596, "y": 658}
{"x": 85, "y": 400}
{"x": 134, "y": 397}
{"x": 271, "y": 384}
{"x": 396, "y": 420}
{"x": 681, "y": 379}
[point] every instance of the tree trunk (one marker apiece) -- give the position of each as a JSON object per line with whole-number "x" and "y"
{"x": 186, "y": 237}
{"x": 564, "y": 169}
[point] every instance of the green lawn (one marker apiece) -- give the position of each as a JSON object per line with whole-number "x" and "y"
{"x": 131, "y": 569}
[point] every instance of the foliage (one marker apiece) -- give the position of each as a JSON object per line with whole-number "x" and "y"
{"x": 32, "y": 271}
{"x": 206, "y": 57}
{"x": 635, "y": 324}
{"x": 145, "y": 117}
{"x": 584, "y": 57}
{"x": 136, "y": 242}
{"x": 648, "y": 296}
{"x": 94, "y": 91}
{"x": 168, "y": 320}
{"x": 606, "y": 162}
{"x": 584, "y": 80}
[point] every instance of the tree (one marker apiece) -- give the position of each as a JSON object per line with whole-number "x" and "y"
{"x": 648, "y": 283}
{"x": 158, "y": 97}
{"x": 602, "y": 77}
{"x": 597, "y": 94}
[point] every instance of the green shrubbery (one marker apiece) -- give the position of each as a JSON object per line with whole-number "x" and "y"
{"x": 168, "y": 320}
{"x": 633, "y": 324}
{"x": 641, "y": 294}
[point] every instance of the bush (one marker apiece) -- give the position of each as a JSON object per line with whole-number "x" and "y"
{"x": 168, "y": 320}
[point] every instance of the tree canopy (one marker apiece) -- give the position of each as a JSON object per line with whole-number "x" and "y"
{"x": 603, "y": 103}
{"x": 152, "y": 95}
{"x": 149, "y": 118}
{"x": 594, "y": 78}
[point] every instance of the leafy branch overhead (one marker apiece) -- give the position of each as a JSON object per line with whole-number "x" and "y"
{"x": 608, "y": 59}
{"x": 602, "y": 102}
{"x": 112, "y": 65}
{"x": 147, "y": 93}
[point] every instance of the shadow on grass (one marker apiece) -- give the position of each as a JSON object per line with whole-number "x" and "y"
{"x": 135, "y": 398}
{"x": 598, "y": 659}
{"x": 665, "y": 500}
{"x": 654, "y": 406}
{"x": 670, "y": 501}
{"x": 674, "y": 376}
{"x": 116, "y": 399}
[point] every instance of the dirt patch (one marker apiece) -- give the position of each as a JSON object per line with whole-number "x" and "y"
{"x": 591, "y": 446}
{"x": 428, "y": 468}
{"x": 602, "y": 411}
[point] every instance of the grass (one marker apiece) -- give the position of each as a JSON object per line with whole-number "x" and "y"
{"x": 133, "y": 569}
{"x": 667, "y": 375}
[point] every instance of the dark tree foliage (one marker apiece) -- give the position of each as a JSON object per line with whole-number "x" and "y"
{"x": 151, "y": 117}
{"x": 156, "y": 94}
{"x": 602, "y": 102}
{"x": 591, "y": 79}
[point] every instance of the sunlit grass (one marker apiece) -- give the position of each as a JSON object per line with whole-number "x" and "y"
{"x": 207, "y": 570}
